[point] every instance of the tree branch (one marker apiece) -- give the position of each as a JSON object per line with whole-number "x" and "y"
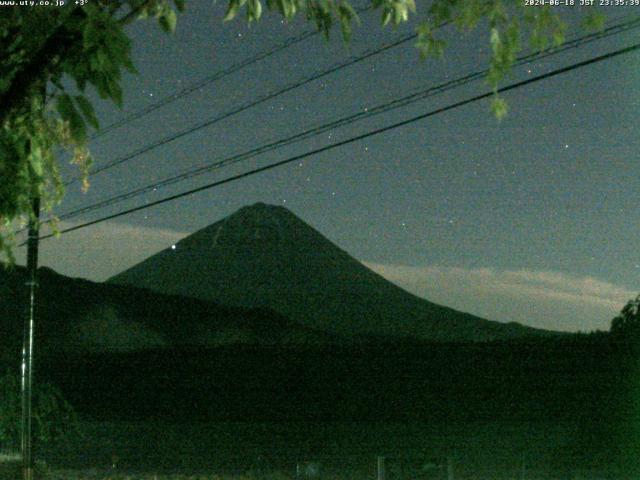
{"x": 39, "y": 66}
{"x": 133, "y": 14}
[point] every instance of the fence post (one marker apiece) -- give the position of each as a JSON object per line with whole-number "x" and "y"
{"x": 381, "y": 472}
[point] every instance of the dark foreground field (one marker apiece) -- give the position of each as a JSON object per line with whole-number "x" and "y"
{"x": 336, "y": 450}
{"x": 563, "y": 409}
{"x": 345, "y": 450}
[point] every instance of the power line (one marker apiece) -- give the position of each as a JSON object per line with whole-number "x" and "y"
{"x": 377, "y": 110}
{"x": 292, "y": 86}
{"x": 202, "y": 83}
{"x": 168, "y": 139}
{"x": 289, "y": 42}
{"x": 354, "y": 139}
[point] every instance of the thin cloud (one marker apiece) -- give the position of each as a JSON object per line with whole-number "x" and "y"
{"x": 543, "y": 299}
{"x": 103, "y": 250}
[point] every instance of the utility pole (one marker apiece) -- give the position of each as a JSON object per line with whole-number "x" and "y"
{"x": 27, "y": 344}
{"x": 381, "y": 468}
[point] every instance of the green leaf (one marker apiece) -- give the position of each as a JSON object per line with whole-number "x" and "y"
{"x": 115, "y": 91}
{"x": 594, "y": 22}
{"x": 345, "y": 26}
{"x": 65, "y": 107}
{"x": 558, "y": 37}
{"x": 440, "y": 12}
{"x": 400, "y": 14}
{"x": 495, "y": 40}
{"x": 437, "y": 47}
{"x": 423, "y": 30}
{"x": 499, "y": 107}
{"x": 411, "y": 5}
{"x": 68, "y": 112}
{"x": 87, "y": 110}
{"x": 290, "y": 8}
{"x": 254, "y": 10}
{"x": 386, "y": 16}
{"x": 35, "y": 160}
{"x": 179, "y": 5}
{"x": 102, "y": 60}
{"x": 128, "y": 64}
{"x": 232, "y": 11}
{"x": 90, "y": 35}
{"x": 168, "y": 20}
{"x": 347, "y": 14}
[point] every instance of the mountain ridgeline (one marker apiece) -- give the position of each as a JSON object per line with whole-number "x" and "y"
{"x": 260, "y": 277}
{"x": 76, "y": 316}
{"x": 264, "y": 256}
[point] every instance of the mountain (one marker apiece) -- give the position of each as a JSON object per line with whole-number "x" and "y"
{"x": 79, "y": 316}
{"x": 265, "y": 256}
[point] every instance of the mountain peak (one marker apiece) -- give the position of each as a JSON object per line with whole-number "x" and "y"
{"x": 258, "y": 224}
{"x": 262, "y": 207}
{"x": 265, "y": 256}
{"x": 262, "y": 212}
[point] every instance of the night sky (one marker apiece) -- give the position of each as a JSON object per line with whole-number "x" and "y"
{"x": 533, "y": 219}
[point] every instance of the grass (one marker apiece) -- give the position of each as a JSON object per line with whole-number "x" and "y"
{"x": 45, "y": 473}
{"x": 343, "y": 451}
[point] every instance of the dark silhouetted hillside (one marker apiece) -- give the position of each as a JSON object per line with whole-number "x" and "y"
{"x": 265, "y": 256}
{"x": 81, "y": 316}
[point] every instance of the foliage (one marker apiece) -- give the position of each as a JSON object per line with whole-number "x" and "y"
{"x": 37, "y": 114}
{"x": 53, "y": 418}
{"x": 627, "y": 324}
{"x": 88, "y": 44}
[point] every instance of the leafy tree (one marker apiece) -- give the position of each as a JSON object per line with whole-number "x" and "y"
{"x": 53, "y": 417}
{"x": 38, "y": 47}
{"x": 627, "y": 324}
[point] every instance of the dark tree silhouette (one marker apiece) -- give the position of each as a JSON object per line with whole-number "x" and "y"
{"x": 627, "y": 324}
